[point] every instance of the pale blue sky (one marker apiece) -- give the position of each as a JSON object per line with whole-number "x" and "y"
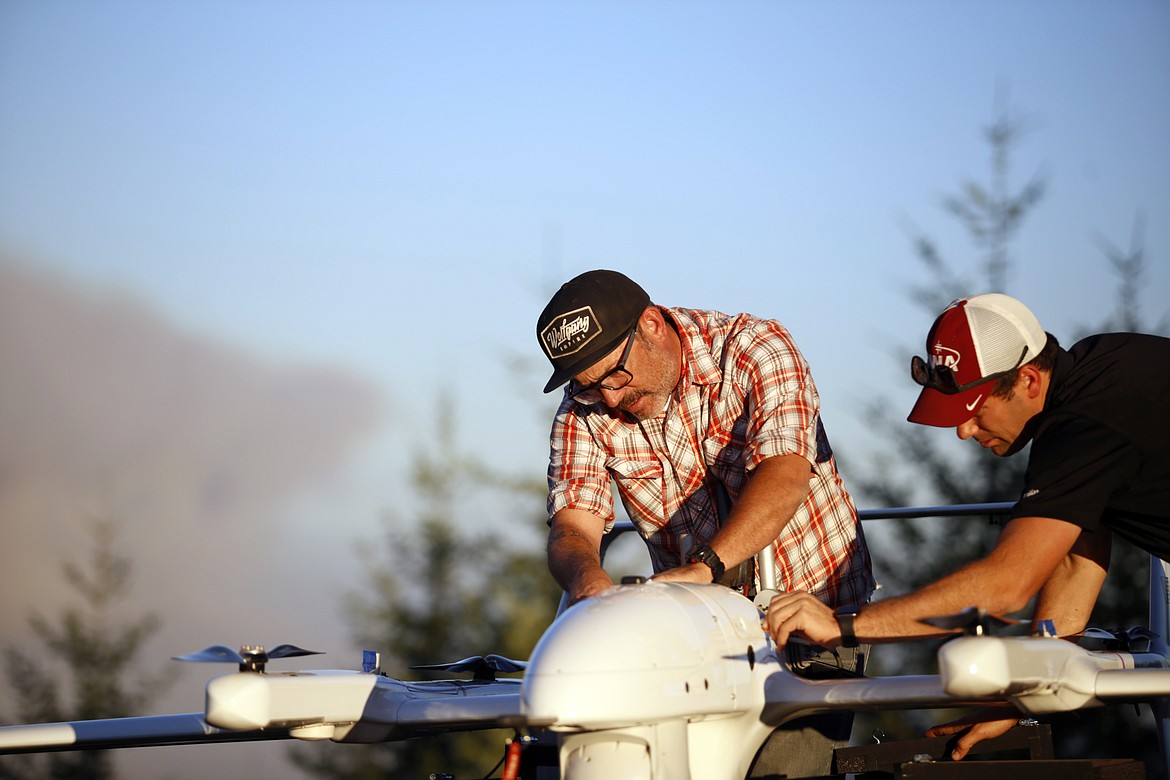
{"x": 397, "y": 187}
{"x": 327, "y": 178}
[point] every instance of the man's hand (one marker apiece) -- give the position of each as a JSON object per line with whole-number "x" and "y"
{"x": 800, "y": 613}
{"x": 975, "y": 727}
{"x": 690, "y": 572}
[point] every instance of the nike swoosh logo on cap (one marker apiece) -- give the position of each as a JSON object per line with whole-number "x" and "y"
{"x": 971, "y": 406}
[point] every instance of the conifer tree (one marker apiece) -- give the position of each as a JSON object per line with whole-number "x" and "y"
{"x": 86, "y": 669}
{"x": 926, "y": 471}
{"x": 468, "y": 577}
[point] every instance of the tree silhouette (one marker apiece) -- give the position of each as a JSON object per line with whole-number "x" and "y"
{"x": 437, "y": 593}
{"x": 94, "y": 654}
{"x": 933, "y": 473}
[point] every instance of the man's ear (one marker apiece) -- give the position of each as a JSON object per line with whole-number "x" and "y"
{"x": 652, "y": 323}
{"x": 1029, "y": 382}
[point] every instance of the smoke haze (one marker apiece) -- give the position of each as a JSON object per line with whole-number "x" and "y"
{"x": 194, "y": 447}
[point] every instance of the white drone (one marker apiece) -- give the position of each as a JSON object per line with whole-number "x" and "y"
{"x": 649, "y": 680}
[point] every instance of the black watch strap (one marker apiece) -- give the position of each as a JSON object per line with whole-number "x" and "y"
{"x": 701, "y": 553}
{"x": 845, "y": 617}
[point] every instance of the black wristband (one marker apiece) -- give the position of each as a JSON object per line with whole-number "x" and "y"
{"x": 701, "y": 553}
{"x": 845, "y": 617}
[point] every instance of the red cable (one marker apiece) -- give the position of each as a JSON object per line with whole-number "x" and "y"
{"x": 512, "y": 762}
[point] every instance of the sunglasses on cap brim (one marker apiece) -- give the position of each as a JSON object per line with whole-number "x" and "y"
{"x": 942, "y": 378}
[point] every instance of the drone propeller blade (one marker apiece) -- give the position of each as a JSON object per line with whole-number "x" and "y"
{"x": 214, "y": 654}
{"x": 463, "y": 665}
{"x": 484, "y": 667}
{"x": 1136, "y": 639}
{"x": 251, "y": 658}
{"x": 971, "y": 620}
{"x": 502, "y": 664}
{"x": 291, "y": 651}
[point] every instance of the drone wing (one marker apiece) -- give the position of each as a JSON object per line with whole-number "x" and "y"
{"x": 148, "y": 731}
{"x": 342, "y": 705}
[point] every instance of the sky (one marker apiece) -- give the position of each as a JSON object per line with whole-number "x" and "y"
{"x": 246, "y": 247}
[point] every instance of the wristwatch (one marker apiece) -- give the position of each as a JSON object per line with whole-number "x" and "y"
{"x": 701, "y": 553}
{"x": 845, "y": 617}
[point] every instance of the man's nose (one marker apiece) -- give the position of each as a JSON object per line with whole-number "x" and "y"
{"x": 611, "y": 397}
{"x": 966, "y": 430}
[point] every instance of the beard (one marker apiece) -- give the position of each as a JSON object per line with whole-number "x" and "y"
{"x": 645, "y": 404}
{"x": 659, "y": 370}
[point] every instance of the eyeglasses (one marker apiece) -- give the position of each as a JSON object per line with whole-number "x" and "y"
{"x": 616, "y": 379}
{"x": 942, "y": 378}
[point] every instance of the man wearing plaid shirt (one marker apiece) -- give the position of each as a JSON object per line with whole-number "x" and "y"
{"x": 676, "y": 406}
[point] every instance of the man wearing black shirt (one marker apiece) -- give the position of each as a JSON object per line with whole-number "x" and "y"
{"x": 1098, "y": 418}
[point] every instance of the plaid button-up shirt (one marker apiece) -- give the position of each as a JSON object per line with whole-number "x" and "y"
{"x": 745, "y": 395}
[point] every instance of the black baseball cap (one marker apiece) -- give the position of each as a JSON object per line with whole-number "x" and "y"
{"x": 586, "y": 320}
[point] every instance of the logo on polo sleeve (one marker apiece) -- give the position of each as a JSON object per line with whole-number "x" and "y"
{"x": 568, "y": 333}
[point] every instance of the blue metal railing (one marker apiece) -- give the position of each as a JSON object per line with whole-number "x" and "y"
{"x": 996, "y": 509}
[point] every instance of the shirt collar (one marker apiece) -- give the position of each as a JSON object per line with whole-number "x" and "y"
{"x": 699, "y": 366}
{"x": 1061, "y": 365}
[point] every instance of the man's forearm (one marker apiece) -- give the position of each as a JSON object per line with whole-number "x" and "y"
{"x": 1068, "y": 596}
{"x": 898, "y": 618}
{"x": 776, "y": 489}
{"x": 571, "y": 557}
{"x": 1024, "y": 559}
{"x": 574, "y": 554}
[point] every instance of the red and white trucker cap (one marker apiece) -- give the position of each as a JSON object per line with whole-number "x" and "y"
{"x": 975, "y": 338}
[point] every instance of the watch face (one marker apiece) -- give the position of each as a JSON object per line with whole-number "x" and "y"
{"x": 705, "y": 555}
{"x": 700, "y": 554}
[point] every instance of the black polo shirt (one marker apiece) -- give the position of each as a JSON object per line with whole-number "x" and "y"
{"x": 1101, "y": 446}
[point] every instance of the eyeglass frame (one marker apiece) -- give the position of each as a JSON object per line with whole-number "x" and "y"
{"x": 930, "y": 376}
{"x": 599, "y": 385}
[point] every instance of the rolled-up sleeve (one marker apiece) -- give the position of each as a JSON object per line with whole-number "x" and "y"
{"x": 577, "y": 477}
{"x": 782, "y": 401}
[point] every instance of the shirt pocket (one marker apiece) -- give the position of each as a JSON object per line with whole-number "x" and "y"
{"x": 633, "y": 470}
{"x": 723, "y": 451}
{"x": 640, "y": 484}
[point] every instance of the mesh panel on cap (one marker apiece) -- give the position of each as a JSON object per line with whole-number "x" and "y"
{"x": 997, "y": 340}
